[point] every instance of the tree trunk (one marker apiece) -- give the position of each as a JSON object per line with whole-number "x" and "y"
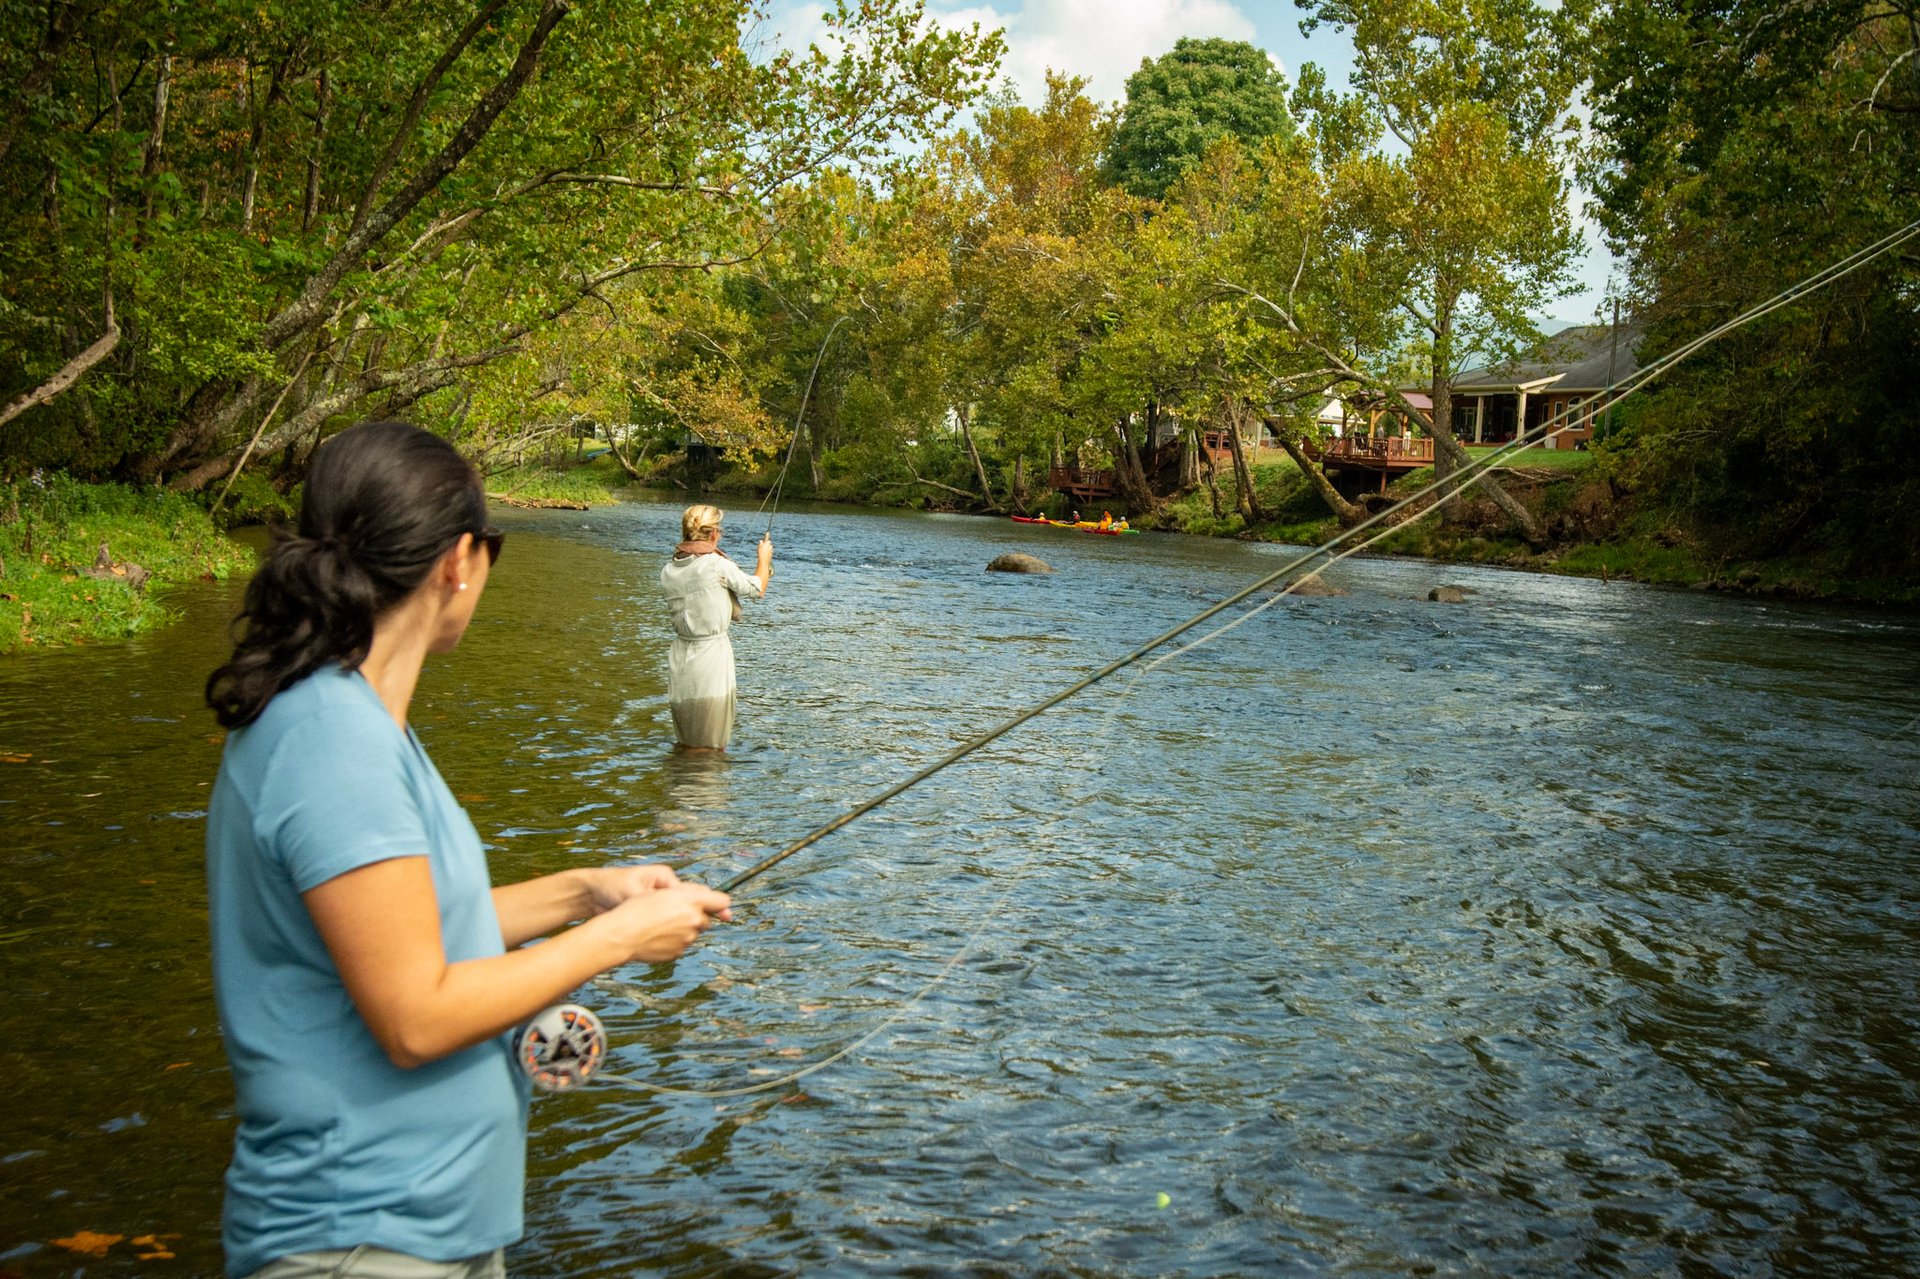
{"x": 226, "y": 405}
{"x": 482, "y": 18}
{"x": 936, "y": 484}
{"x": 405, "y": 385}
{"x": 304, "y": 311}
{"x": 1516, "y": 512}
{"x": 1449, "y": 457}
{"x": 1343, "y": 510}
{"x": 1444, "y": 443}
{"x": 311, "y": 209}
{"x": 979, "y": 469}
{"x": 259, "y": 431}
{"x": 250, "y": 184}
{"x": 1242, "y": 473}
{"x": 1129, "y": 475}
{"x": 632, "y": 468}
{"x": 156, "y": 135}
{"x": 1205, "y": 456}
{"x": 1440, "y": 415}
{"x": 69, "y": 373}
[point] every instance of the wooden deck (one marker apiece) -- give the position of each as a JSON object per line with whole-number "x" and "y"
{"x": 1385, "y": 455}
{"x": 1083, "y": 482}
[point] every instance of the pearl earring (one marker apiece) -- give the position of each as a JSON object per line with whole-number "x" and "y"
{"x": 463, "y": 586}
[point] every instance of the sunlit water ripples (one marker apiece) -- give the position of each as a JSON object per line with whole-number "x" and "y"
{"x": 1570, "y": 930}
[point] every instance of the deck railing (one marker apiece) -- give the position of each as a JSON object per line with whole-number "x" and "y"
{"x": 1384, "y": 448}
{"x": 1085, "y": 480}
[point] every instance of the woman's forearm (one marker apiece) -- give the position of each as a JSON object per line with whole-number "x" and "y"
{"x": 381, "y": 925}
{"x": 476, "y": 999}
{"x": 535, "y": 907}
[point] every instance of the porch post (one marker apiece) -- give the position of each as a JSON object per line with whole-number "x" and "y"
{"x": 1479, "y": 418}
{"x": 1520, "y": 417}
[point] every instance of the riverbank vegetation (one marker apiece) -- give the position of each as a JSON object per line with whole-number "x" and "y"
{"x": 580, "y": 485}
{"x": 83, "y": 562}
{"x": 660, "y": 235}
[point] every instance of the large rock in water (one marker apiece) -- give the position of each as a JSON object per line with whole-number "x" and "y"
{"x": 1450, "y": 594}
{"x": 1314, "y": 584}
{"x": 1017, "y": 562}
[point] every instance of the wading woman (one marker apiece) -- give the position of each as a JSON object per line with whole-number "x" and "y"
{"x": 367, "y": 974}
{"x": 703, "y": 589}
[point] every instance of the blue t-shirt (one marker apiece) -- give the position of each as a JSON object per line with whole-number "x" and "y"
{"x": 338, "y": 1146}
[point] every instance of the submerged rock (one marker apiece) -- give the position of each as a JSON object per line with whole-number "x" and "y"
{"x": 1449, "y": 594}
{"x": 1018, "y": 562}
{"x": 1314, "y": 584}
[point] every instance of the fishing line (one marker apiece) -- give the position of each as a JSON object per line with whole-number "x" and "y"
{"x": 1041, "y": 838}
{"x": 851, "y": 1046}
{"x": 779, "y": 482}
{"x": 1636, "y": 382}
{"x": 577, "y": 1051}
{"x": 1453, "y": 484}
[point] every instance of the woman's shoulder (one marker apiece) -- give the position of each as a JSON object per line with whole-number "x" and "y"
{"x": 692, "y": 568}
{"x": 330, "y": 715}
{"x": 333, "y": 701}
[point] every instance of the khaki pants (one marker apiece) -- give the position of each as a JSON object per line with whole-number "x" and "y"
{"x": 368, "y": 1262}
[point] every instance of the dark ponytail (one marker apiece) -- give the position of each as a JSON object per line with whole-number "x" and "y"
{"x": 384, "y": 501}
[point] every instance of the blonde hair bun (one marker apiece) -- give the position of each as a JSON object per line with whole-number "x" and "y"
{"x": 698, "y": 520}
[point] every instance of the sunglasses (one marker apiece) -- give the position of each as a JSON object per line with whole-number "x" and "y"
{"x": 491, "y": 537}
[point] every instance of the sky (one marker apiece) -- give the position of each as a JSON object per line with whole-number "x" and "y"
{"x": 1105, "y": 40}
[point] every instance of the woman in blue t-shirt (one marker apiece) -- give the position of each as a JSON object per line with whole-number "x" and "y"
{"x": 368, "y": 976}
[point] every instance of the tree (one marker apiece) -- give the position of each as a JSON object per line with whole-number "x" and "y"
{"x": 1037, "y": 235}
{"x": 1181, "y": 103}
{"x": 1468, "y": 230}
{"x": 325, "y": 205}
{"x": 1740, "y": 152}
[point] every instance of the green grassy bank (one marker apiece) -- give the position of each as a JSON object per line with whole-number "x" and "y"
{"x": 52, "y": 530}
{"x": 584, "y": 484}
{"x": 1599, "y": 529}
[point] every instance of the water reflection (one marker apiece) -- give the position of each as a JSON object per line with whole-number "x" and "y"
{"x": 697, "y": 793}
{"x": 1570, "y": 930}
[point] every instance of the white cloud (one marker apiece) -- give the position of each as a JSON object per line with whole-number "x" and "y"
{"x": 1103, "y": 40}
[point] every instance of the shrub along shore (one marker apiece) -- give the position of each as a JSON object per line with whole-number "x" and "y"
{"x": 1600, "y": 526}
{"x": 86, "y": 562}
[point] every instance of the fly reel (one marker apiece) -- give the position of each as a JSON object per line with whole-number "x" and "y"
{"x": 561, "y": 1048}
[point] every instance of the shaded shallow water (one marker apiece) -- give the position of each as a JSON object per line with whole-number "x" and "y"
{"x": 1571, "y": 930}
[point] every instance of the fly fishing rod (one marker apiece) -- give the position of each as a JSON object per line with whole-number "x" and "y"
{"x": 562, "y": 1048}
{"x": 1452, "y": 484}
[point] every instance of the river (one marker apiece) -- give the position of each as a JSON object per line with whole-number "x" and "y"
{"x": 1571, "y": 930}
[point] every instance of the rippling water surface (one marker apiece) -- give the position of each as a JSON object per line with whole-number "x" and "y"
{"x": 1570, "y": 930}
